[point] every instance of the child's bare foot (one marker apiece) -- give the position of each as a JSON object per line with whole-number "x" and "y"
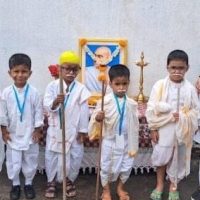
{"x": 106, "y": 195}
{"x": 173, "y": 187}
{"x": 122, "y": 194}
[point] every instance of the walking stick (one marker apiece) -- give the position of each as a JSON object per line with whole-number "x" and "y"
{"x": 63, "y": 136}
{"x": 176, "y": 142}
{"x": 102, "y": 77}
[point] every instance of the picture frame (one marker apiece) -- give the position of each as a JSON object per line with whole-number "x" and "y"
{"x": 88, "y": 48}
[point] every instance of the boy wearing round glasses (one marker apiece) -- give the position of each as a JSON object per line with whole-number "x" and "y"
{"x": 172, "y": 118}
{"x": 76, "y": 125}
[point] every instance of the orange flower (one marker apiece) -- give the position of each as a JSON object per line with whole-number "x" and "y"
{"x": 82, "y": 41}
{"x": 123, "y": 43}
{"x": 102, "y": 72}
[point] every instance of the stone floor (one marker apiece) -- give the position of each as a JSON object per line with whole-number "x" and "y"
{"x": 139, "y": 186}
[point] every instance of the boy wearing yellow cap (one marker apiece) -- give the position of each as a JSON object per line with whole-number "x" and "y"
{"x": 76, "y": 125}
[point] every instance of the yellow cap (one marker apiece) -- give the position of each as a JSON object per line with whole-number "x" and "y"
{"x": 69, "y": 57}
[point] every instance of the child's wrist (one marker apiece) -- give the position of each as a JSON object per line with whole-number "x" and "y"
{"x": 154, "y": 130}
{"x": 55, "y": 104}
{"x": 38, "y": 129}
{"x": 4, "y": 130}
{"x": 97, "y": 119}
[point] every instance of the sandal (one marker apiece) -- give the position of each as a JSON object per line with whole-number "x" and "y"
{"x": 156, "y": 195}
{"x": 123, "y": 196}
{"x": 174, "y": 196}
{"x": 50, "y": 191}
{"x": 70, "y": 189}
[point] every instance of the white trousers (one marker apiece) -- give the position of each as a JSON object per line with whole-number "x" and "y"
{"x": 115, "y": 162}
{"x": 27, "y": 161}
{"x": 176, "y": 165}
{"x": 53, "y": 163}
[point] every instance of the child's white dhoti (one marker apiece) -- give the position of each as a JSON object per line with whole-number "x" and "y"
{"x": 115, "y": 161}
{"x": 53, "y": 162}
{"x": 163, "y": 155}
{"x": 26, "y": 160}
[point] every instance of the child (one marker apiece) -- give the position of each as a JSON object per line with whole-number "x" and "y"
{"x": 120, "y": 132}
{"x": 21, "y": 126}
{"x": 172, "y": 117}
{"x": 196, "y": 194}
{"x": 76, "y": 126}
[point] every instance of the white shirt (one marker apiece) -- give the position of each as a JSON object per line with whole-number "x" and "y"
{"x": 76, "y": 111}
{"x": 32, "y": 116}
{"x": 172, "y": 97}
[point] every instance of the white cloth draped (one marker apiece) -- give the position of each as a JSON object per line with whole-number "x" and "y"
{"x": 161, "y": 105}
{"x": 110, "y": 124}
{"x": 197, "y": 134}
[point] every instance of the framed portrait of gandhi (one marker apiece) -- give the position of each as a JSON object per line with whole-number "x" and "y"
{"x": 99, "y": 52}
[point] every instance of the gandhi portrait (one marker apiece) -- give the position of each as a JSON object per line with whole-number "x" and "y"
{"x": 102, "y": 56}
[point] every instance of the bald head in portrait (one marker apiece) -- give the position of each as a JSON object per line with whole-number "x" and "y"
{"x": 103, "y": 56}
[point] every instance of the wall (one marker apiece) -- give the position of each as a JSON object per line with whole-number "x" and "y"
{"x": 45, "y": 28}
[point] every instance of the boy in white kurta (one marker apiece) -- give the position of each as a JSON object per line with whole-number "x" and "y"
{"x": 21, "y": 126}
{"x": 120, "y": 132}
{"x": 172, "y": 117}
{"x": 196, "y": 194}
{"x": 76, "y": 125}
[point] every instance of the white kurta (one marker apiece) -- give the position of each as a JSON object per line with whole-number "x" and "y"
{"x": 117, "y": 151}
{"x": 77, "y": 117}
{"x": 175, "y": 139}
{"x": 32, "y": 116}
{"x": 2, "y": 153}
{"x": 22, "y": 152}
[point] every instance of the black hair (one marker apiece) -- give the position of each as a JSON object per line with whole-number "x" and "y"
{"x": 118, "y": 70}
{"x": 177, "y": 55}
{"x": 19, "y": 59}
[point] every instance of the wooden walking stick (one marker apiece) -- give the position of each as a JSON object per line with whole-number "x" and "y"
{"x": 62, "y": 118}
{"x": 101, "y": 77}
{"x": 176, "y": 142}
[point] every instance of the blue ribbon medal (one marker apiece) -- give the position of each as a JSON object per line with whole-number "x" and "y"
{"x": 21, "y": 107}
{"x": 120, "y": 111}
